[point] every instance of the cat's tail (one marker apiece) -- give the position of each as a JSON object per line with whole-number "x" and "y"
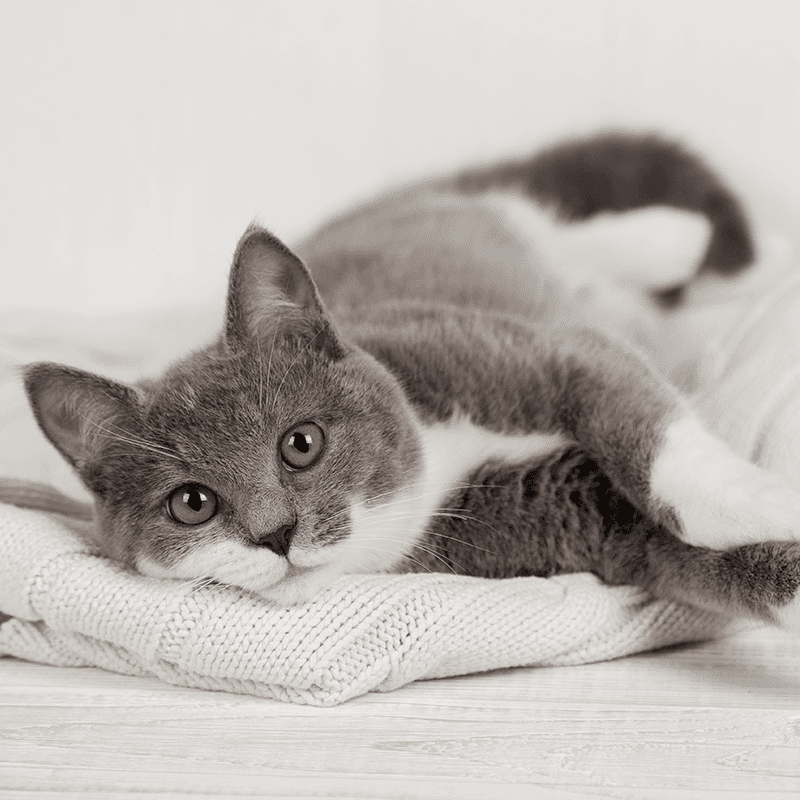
{"x": 623, "y": 172}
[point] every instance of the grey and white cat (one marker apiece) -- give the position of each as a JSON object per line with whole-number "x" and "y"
{"x": 429, "y": 401}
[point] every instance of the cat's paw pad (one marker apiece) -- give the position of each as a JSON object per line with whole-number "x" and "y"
{"x": 720, "y": 499}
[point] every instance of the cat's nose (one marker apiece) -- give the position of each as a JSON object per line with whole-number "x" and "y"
{"x": 278, "y": 540}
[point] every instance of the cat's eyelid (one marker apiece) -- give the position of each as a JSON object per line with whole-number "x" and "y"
{"x": 309, "y": 420}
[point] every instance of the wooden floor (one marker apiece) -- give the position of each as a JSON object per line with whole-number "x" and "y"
{"x": 716, "y": 720}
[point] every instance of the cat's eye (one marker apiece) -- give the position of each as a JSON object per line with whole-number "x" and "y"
{"x": 302, "y": 445}
{"x": 192, "y": 504}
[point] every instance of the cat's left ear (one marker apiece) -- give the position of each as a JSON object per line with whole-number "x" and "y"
{"x": 271, "y": 293}
{"x": 80, "y": 413}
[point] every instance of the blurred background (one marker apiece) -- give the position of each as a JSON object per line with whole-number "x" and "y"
{"x": 138, "y": 139}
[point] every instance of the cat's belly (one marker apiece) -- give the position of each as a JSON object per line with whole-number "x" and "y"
{"x": 555, "y": 515}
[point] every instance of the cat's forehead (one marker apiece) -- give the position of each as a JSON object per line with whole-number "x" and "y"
{"x": 242, "y": 387}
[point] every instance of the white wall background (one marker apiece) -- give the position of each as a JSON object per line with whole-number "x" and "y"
{"x": 138, "y": 139}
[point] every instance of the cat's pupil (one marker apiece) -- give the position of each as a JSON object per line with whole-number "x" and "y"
{"x": 301, "y": 442}
{"x": 194, "y": 499}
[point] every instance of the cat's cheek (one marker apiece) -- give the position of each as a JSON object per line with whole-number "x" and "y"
{"x": 381, "y": 537}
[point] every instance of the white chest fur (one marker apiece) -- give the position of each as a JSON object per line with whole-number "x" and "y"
{"x": 385, "y": 529}
{"x": 457, "y": 448}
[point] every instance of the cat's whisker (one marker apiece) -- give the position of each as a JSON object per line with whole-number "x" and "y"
{"x": 121, "y": 433}
{"x": 432, "y": 551}
{"x": 400, "y": 516}
{"x": 411, "y": 514}
{"x": 463, "y": 541}
{"x": 423, "y": 567}
{"x": 131, "y": 439}
{"x": 407, "y": 557}
{"x": 379, "y": 537}
{"x": 452, "y": 487}
{"x": 448, "y": 562}
{"x": 196, "y": 584}
{"x": 376, "y": 547}
{"x": 458, "y": 514}
{"x": 135, "y": 443}
{"x": 364, "y": 503}
{"x": 260, "y": 377}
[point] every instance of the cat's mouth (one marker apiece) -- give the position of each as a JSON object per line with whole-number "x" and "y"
{"x": 295, "y": 571}
{"x": 276, "y": 578}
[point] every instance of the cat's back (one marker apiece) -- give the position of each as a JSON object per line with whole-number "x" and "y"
{"x": 433, "y": 246}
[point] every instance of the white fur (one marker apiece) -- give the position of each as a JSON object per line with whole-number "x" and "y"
{"x": 256, "y": 570}
{"x": 722, "y": 500}
{"x": 223, "y": 560}
{"x": 655, "y": 247}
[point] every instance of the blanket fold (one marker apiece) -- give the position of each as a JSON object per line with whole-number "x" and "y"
{"x": 369, "y": 632}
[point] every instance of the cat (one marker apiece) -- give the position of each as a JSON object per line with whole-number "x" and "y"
{"x": 406, "y": 392}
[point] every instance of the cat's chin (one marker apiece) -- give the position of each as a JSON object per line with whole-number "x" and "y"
{"x": 261, "y": 573}
{"x": 299, "y": 588}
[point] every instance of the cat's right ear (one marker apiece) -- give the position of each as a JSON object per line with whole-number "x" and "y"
{"x": 78, "y": 411}
{"x": 271, "y": 292}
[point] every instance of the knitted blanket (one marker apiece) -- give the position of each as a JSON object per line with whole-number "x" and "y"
{"x": 70, "y": 607}
{"x": 372, "y": 632}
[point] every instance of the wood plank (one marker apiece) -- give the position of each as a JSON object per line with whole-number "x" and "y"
{"x": 718, "y": 720}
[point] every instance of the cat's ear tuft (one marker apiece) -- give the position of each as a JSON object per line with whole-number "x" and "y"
{"x": 78, "y": 411}
{"x": 271, "y": 293}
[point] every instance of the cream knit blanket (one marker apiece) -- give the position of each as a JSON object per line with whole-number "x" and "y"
{"x": 70, "y": 607}
{"x": 373, "y": 632}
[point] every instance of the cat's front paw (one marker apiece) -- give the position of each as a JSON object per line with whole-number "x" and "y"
{"x": 721, "y": 500}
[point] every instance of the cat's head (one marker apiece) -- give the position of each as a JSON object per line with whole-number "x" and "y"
{"x": 274, "y": 460}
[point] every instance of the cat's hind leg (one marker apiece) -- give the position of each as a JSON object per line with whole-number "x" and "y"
{"x": 758, "y": 580}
